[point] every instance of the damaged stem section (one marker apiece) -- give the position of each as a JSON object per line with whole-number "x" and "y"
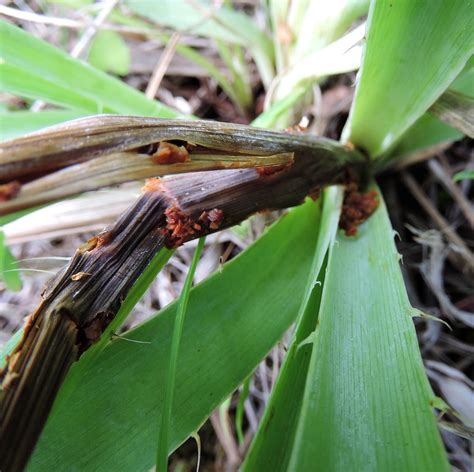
{"x": 81, "y": 301}
{"x": 104, "y": 150}
{"x": 118, "y": 168}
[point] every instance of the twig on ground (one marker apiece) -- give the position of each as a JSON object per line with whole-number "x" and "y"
{"x": 221, "y": 424}
{"x": 441, "y": 174}
{"x": 460, "y": 255}
{"x": 162, "y": 66}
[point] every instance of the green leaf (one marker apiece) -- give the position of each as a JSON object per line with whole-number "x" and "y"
{"x": 213, "y": 71}
{"x": 429, "y": 131}
{"x": 338, "y": 57}
{"x": 110, "y": 53}
{"x": 203, "y": 18}
{"x": 464, "y": 82}
{"x": 164, "y": 431}
{"x": 17, "y": 123}
{"x": 33, "y": 68}
{"x": 270, "y": 448}
{"x": 239, "y": 411}
{"x": 426, "y": 132}
{"x": 464, "y": 175}
{"x": 269, "y": 118}
{"x": 8, "y": 266}
{"x": 366, "y": 404}
{"x": 27, "y": 84}
{"x": 235, "y": 62}
{"x": 414, "y": 50}
{"x": 234, "y": 319}
{"x": 317, "y": 23}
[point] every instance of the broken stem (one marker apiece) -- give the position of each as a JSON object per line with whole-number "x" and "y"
{"x": 85, "y": 296}
{"x": 124, "y": 167}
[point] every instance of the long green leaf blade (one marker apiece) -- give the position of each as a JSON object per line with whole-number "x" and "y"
{"x": 26, "y": 84}
{"x": 271, "y": 447}
{"x": 164, "y": 431}
{"x": 367, "y": 399}
{"x": 90, "y": 89}
{"x": 414, "y": 50}
{"x": 429, "y": 131}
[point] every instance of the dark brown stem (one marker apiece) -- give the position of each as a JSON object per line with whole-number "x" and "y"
{"x": 85, "y": 296}
{"x": 104, "y": 150}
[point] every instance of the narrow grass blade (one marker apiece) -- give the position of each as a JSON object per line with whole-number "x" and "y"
{"x": 271, "y": 447}
{"x": 343, "y": 55}
{"x": 213, "y": 71}
{"x": 414, "y": 51}
{"x": 464, "y": 175}
{"x": 27, "y": 84}
{"x": 270, "y": 117}
{"x": 278, "y": 12}
{"x": 322, "y": 22}
{"x": 235, "y": 63}
{"x": 164, "y": 431}
{"x": 239, "y": 413}
{"x": 35, "y": 69}
{"x": 254, "y": 298}
{"x": 428, "y": 132}
{"x": 367, "y": 401}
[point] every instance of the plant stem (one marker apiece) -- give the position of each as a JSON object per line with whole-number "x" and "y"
{"x": 87, "y": 138}
{"x": 84, "y": 298}
{"x": 124, "y": 167}
{"x": 163, "y": 436}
